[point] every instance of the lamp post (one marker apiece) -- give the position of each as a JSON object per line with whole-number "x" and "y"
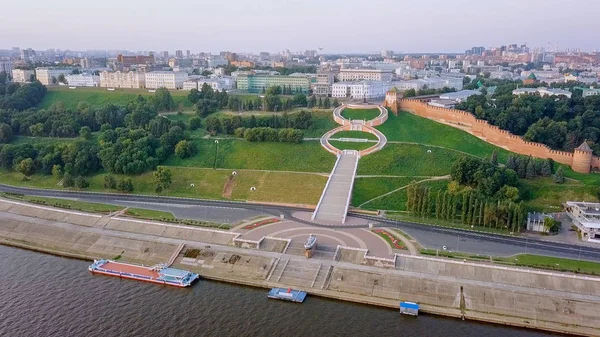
{"x": 216, "y": 153}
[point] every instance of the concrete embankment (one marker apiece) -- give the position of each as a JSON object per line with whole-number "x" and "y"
{"x": 535, "y": 299}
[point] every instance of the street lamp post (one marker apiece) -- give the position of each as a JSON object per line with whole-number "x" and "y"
{"x": 216, "y": 153}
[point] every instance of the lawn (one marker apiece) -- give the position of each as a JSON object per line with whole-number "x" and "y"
{"x": 364, "y": 114}
{"x": 82, "y": 206}
{"x": 354, "y": 134}
{"x": 397, "y": 200}
{"x": 149, "y": 214}
{"x": 368, "y": 188}
{"x": 307, "y": 156}
{"x": 407, "y": 127}
{"x": 359, "y": 146}
{"x": 101, "y": 96}
{"x": 322, "y": 122}
{"x": 409, "y": 160}
{"x": 543, "y": 195}
{"x": 276, "y": 187}
{"x": 551, "y": 263}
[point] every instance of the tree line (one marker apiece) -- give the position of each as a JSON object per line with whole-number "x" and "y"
{"x": 560, "y": 122}
{"x": 228, "y": 124}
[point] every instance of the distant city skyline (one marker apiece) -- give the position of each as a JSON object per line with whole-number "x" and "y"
{"x": 350, "y": 26}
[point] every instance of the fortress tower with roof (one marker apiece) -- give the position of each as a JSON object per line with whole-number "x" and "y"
{"x": 582, "y": 158}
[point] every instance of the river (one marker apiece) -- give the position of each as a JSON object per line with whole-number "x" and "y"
{"x": 44, "y": 295}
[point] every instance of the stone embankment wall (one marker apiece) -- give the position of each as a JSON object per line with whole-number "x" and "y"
{"x": 579, "y": 161}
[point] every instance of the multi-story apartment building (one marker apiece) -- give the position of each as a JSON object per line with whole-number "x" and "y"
{"x": 360, "y": 89}
{"x": 380, "y": 75}
{"x": 6, "y": 66}
{"x": 118, "y": 79}
{"x": 128, "y": 61}
{"x": 255, "y": 83}
{"x": 167, "y": 79}
{"x": 215, "y": 84}
{"x": 82, "y": 80}
{"x": 322, "y": 87}
{"x": 49, "y": 76}
{"x": 21, "y": 75}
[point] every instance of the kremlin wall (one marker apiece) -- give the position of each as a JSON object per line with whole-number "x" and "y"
{"x": 581, "y": 160}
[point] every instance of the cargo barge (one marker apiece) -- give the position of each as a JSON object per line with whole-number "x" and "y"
{"x": 288, "y": 294}
{"x": 160, "y": 274}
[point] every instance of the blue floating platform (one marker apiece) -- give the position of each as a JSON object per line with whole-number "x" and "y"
{"x": 287, "y": 294}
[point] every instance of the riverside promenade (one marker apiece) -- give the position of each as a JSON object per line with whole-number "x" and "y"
{"x": 557, "y": 302}
{"x": 335, "y": 199}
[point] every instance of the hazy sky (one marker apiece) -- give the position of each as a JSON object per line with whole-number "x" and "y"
{"x": 274, "y": 25}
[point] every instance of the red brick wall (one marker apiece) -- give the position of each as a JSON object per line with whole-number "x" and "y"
{"x": 494, "y": 135}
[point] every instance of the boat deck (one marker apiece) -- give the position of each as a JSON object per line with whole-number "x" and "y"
{"x": 131, "y": 269}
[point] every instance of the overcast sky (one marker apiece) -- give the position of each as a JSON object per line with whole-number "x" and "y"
{"x": 275, "y": 25}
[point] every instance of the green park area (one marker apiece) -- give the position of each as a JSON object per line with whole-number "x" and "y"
{"x": 293, "y": 172}
{"x": 364, "y": 114}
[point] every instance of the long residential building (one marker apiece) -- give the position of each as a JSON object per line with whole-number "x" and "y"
{"x": 255, "y": 83}
{"x": 380, "y": 75}
{"x": 118, "y": 79}
{"x": 22, "y": 75}
{"x": 49, "y": 76}
{"x": 214, "y": 83}
{"x": 82, "y": 80}
{"x": 167, "y": 79}
{"x": 542, "y": 91}
{"x": 360, "y": 89}
{"x": 6, "y": 66}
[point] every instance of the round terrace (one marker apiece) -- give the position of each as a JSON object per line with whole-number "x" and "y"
{"x": 351, "y": 124}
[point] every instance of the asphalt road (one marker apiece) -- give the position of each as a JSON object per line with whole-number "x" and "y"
{"x": 429, "y": 236}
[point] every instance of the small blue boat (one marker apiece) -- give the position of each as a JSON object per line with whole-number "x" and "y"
{"x": 288, "y": 294}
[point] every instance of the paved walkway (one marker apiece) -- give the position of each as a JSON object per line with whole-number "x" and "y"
{"x": 333, "y": 205}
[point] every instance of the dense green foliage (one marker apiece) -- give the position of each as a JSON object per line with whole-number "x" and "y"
{"x": 229, "y": 124}
{"x": 557, "y": 121}
{"x": 15, "y": 96}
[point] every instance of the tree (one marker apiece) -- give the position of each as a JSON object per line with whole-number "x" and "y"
{"x": 312, "y": 102}
{"x": 195, "y": 123}
{"x": 530, "y": 171}
{"x": 552, "y": 225}
{"x": 335, "y": 103}
{"x": 110, "y": 183}
{"x": 410, "y": 93}
{"x": 185, "y": 149}
{"x": 68, "y": 180}
{"x": 320, "y": 103}
{"x": 494, "y": 158}
{"x": 546, "y": 169}
{"x": 559, "y": 176}
{"x": 598, "y": 193}
{"x": 57, "y": 171}
{"x": 126, "y": 185}
{"x": 62, "y": 79}
{"x": 85, "y": 132}
{"x": 162, "y": 177}
{"x": 326, "y": 103}
{"x": 163, "y": 101}
{"x": 81, "y": 182}
{"x": 5, "y": 133}
{"x": 26, "y": 167}
{"x": 37, "y": 130}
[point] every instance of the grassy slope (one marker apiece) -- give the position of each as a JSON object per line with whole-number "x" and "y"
{"x": 366, "y": 114}
{"x": 100, "y": 96}
{"x": 280, "y": 187}
{"x": 397, "y": 200}
{"x": 407, "y": 127}
{"x": 408, "y": 160}
{"x": 369, "y": 188}
{"x": 354, "y": 134}
{"x": 307, "y": 156}
{"x": 90, "y": 207}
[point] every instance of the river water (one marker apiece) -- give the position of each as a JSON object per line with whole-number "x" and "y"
{"x": 44, "y": 295}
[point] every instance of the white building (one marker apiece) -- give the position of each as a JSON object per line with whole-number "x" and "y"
{"x": 360, "y": 90}
{"x": 586, "y": 216}
{"x": 21, "y": 75}
{"x": 535, "y": 222}
{"x": 586, "y": 92}
{"x": 118, "y": 79}
{"x": 167, "y": 79}
{"x": 378, "y": 75}
{"x": 7, "y": 66}
{"x": 431, "y": 83}
{"x": 216, "y": 61}
{"x": 49, "y": 76}
{"x": 460, "y": 96}
{"x": 542, "y": 91}
{"x": 82, "y": 80}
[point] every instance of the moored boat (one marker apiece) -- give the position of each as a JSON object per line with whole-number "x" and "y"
{"x": 288, "y": 294}
{"x": 160, "y": 274}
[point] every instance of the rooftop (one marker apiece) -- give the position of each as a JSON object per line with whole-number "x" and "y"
{"x": 584, "y": 147}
